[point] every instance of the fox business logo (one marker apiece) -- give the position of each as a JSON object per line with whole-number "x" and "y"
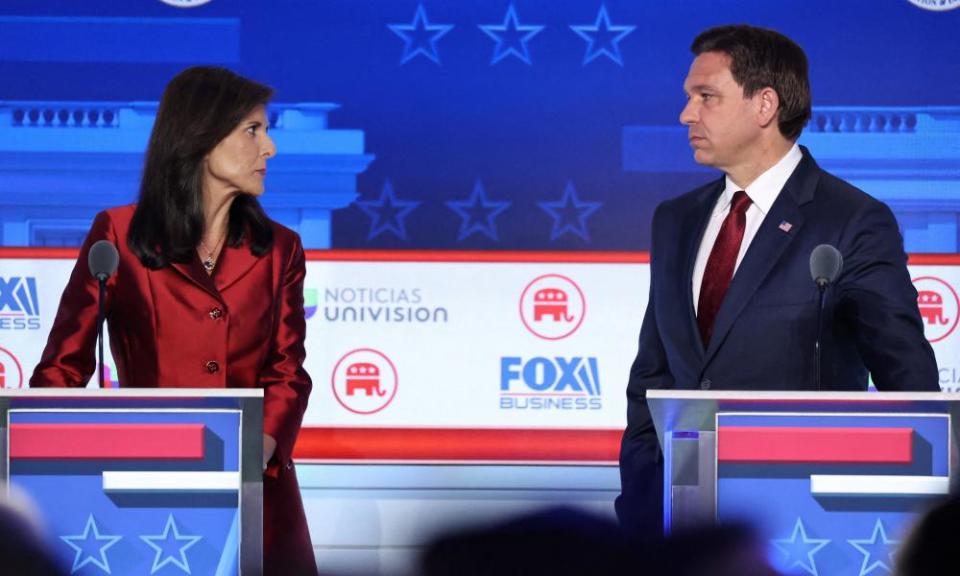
{"x": 19, "y": 305}
{"x": 556, "y": 383}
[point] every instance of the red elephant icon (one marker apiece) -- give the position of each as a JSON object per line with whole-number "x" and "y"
{"x": 551, "y": 302}
{"x": 364, "y": 376}
{"x": 931, "y": 307}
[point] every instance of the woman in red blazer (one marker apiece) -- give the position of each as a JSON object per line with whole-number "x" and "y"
{"x": 209, "y": 291}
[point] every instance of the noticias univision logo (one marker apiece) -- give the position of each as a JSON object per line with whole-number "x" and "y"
{"x": 110, "y": 378}
{"x": 375, "y": 304}
{"x": 19, "y": 304}
{"x": 309, "y": 302}
{"x": 557, "y": 383}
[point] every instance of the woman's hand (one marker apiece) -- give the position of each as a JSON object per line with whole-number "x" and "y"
{"x": 269, "y": 447}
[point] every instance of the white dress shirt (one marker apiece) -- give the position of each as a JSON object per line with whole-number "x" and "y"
{"x": 763, "y": 192}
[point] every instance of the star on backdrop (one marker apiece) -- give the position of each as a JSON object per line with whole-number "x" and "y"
{"x": 872, "y": 549}
{"x": 89, "y": 541}
{"x": 570, "y": 214}
{"x": 387, "y": 213}
{"x": 603, "y": 38}
{"x": 511, "y": 37}
{"x": 170, "y": 546}
{"x": 420, "y": 36}
{"x": 478, "y": 214}
{"x": 799, "y": 549}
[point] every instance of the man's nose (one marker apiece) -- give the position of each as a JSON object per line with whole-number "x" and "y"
{"x": 689, "y": 114}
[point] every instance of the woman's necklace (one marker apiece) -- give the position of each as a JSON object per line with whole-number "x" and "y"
{"x": 211, "y": 260}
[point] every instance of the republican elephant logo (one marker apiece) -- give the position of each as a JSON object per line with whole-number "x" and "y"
{"x": 552, "y": 307}
{"x": 365, "y": 377}
{"x": 11, "y": 373}
{"x": 364, "y": 381}
{"x": 931, "y": 307}
{"x": 938, "y": 305}
{"x": 552, "y": 303}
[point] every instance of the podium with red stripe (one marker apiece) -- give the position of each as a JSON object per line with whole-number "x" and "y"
{"x": 832, "y": 480}
{"x": 142, "y": 481}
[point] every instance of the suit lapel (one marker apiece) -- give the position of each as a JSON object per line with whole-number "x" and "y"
{"x": 695, "y": 219}
{"x": 194, "y": 272}
{"x": 766, "y": 248}
{"x": 234, "y": 264}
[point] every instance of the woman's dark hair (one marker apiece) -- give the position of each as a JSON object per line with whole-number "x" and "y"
{"x": 199, "y": 108}
{"x": 760, "y": 58}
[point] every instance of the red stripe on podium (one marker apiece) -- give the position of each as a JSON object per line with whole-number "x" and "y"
{"x": 106, "y": 441}
{"x": 458, "y": 444}
{"x": 814, "y": 445}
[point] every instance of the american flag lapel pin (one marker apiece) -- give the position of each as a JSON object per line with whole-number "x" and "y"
{"x": 785, "y": 226}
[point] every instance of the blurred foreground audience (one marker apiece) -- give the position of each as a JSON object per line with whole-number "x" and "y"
{"x": 23, "y": 551}
{"x": 558, "y": 542}
{"x": 729, "y": 550}
{"x": 563, "y": 541}
{"x": 932, "y": 547}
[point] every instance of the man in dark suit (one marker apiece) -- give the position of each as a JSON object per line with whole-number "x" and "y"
{"x": 732, "y": 305}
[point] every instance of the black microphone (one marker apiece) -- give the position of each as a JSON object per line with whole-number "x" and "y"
{"x": 826, "y": 262}
{"x": 103, "y": 260}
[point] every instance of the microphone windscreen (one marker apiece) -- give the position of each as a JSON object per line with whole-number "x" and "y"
{"x": 103, "y": 259}
{"x": 826, "y": 262}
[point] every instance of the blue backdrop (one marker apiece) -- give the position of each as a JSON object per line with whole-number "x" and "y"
{"x": 489, "y": 124}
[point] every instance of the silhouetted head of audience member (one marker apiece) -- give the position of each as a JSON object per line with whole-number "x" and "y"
{"x": 555, "y": 542}
{"x": 22, "y": 549}
{"x": 932, "y": 546}
{"x": 728, "y": 550}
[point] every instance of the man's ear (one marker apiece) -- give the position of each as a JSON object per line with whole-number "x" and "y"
{"x": 768, "y": 102}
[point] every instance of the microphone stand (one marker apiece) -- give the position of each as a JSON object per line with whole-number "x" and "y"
{"x": 822, "y": 285}
{"x": 102, "y": 281}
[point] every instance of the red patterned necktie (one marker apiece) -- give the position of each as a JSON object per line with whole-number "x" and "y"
{"x": 719, "y": 270}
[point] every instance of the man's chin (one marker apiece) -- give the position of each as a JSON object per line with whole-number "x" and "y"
{"x": 702, "y": 157}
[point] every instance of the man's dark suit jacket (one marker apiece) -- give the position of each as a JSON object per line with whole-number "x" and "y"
{"x": 765, "y": 330}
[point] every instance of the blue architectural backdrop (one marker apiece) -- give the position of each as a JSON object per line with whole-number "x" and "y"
{"x": 467, "y": 124}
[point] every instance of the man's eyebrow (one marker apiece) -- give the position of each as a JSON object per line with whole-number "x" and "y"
{"x": 699, "y": 88}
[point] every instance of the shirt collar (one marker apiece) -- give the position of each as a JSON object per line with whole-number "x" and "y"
{"x": 765, "y": 189}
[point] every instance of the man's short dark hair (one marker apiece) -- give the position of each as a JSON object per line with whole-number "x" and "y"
{"x": 760, "y": 58}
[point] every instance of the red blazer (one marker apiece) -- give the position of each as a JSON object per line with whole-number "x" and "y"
{"x": 177, "y": 327}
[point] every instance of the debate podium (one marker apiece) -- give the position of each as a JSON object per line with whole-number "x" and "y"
{"x": 141, "y": 480}
{"x": 832, "y": 479}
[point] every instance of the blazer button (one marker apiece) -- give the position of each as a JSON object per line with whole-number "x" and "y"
{"x": 705, "y": 384}
{"x": 212, "y": 366}
{"x": 290, "y": 465}
{"x": 216, "y": 313}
